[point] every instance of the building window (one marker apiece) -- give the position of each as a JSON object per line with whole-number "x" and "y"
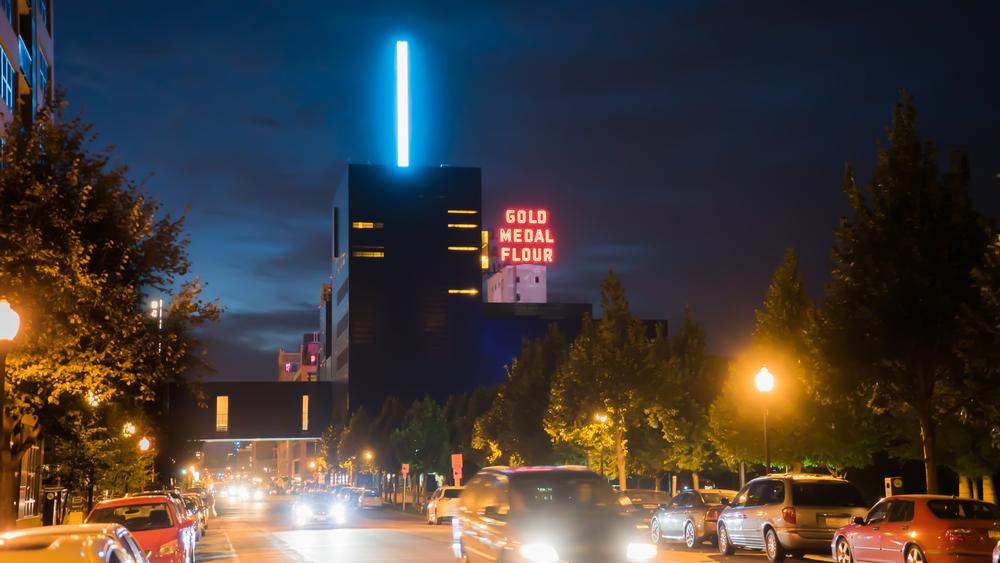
{"x": 305, "y": 412}
{"x": 222, "y": 413}
{"x": 43, "y": 75}
{"x": 43, "y": 10}
{"x": 7, "y": 83}
{"x": 8, "y": 10}
{"x": 536, "y": 279}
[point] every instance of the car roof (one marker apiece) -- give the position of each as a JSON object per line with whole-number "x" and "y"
{"x": 537, "y": 469}
{"x": 446, "y": 487}
{"x": 79, "y": 542}
{"x": 66, "y": 530}
{"x": 800, "y": 477}
{"x": 933, "y": 497}
{"x": 127, "y": 501}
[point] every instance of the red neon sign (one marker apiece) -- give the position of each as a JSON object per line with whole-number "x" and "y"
{"x": 526, "y": 237}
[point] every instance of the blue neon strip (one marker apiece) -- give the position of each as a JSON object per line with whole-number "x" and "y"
{"x": 402, "y": 104}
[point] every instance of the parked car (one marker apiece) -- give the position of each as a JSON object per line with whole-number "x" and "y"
{"x": 691, "y": 516}
{"x": 913, "y": 528}
{"x": 545, "y": 514}
{"x": 443, "y": 504}
{"x": 86, "y": 543}
{"x": 792, "y": 513}
{"x": 192, "y": 501}
{"x": 318, "y": 508}
{"x": 163, "y": 531}
{"x": 370, "y": 499}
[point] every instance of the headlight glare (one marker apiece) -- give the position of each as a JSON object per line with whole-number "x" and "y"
{"x": 640, "y": 552}
{"x": 539, "y": 553}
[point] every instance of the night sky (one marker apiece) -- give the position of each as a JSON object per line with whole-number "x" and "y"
{"x": 683, "y": 144}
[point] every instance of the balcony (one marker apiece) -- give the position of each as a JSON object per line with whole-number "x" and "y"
{"x": 24, "y": 54}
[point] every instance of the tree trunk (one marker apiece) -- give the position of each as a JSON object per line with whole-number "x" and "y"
{"x": 796, "y": 467}
{"x": 620, "y": 454}
{"x": 963, "y": 487}
{"x": 8, "y": 510}
{"x": 928, "y": 441}
{"x": 657, "y": 481}
{"x": 989, "y": 492}
{"x": 694, "y": 480}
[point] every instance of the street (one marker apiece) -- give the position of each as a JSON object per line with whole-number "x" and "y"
{"x": 259, "y": 532}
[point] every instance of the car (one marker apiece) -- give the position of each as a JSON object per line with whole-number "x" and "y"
{"x": 543, "y": 514}
{"x": 647, "y": 499}
{"x": 207, "y": 498}
{"x": 915, "y": 528}
{"x": 370, "y": 499}
{"x": 318, "y": 508}
{"x": 164, "y": 532}
{"x": 996, "y": 553}
{"x": 789, "y": 513}
{"x": 86, "y": 543}
{"x": 443, "y": 504}
{"x": 193, "y": 502}
{"x": 691, "y": 516}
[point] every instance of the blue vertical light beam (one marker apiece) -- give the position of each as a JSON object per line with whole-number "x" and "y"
{"x": 402, "y": 104}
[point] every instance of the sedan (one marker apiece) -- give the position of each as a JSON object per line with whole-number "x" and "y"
{"x": 86, "y": 543}
{"x": 318, "y": 508}
{"x": 913, "y": 528}
{"x": 691, "y": 516}
{"x": 162, "y": 531}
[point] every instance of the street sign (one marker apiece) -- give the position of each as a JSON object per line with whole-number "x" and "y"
{"x": 405, "y": 470}
{"x": 456, "y": 468}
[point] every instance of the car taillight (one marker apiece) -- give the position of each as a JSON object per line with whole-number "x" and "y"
{"x": 958, "y": 534}
{"x": 788, "y": 514}
{"x": 712, "y": 515}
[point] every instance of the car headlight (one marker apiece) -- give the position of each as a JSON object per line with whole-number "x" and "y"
{"x": 640, "y": 552}
{"x": 339, "y": 513}
{"x": 539, "y": 553}
{"x": 258, "y": 495}
{"x": 303, "y": 511}
{"x": 168, "y": 548}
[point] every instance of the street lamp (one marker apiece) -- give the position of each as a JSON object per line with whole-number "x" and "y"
{"x": 128, "y": 429}
{"x": 368, "y": 455}
{"x": 144, "y": 444}
{"x": 765, "y": 384}
{"x": 601, "y": 418}
{"x": 10, "y": 322}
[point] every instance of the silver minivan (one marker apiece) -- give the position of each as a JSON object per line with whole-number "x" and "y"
{"x": 790, "y": 513}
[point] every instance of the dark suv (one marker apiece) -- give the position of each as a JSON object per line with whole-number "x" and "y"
{"x": 545, "y": 514}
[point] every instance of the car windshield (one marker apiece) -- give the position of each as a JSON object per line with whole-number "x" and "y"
{"x": 190, "y": 504}
{"x": 561, "y": 491}
{"x": 452, "y": 493}
{"x": 827, "y": 493}
{"x": 716, "y": 498}
{"x": 135, "y": 517}
{"x": 954, "y": 509}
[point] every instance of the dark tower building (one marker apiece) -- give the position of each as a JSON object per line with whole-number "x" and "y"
{"x": 404, "y": 303}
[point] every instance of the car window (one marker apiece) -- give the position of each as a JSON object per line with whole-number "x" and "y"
{"x": 452, "y": 493}
{"x": 548, "y": 490}
{"x": 773, "y": 492}
{"x": 755, "y": 495}
{"x": 689, "y": 500}
{"x": 827, "y": 493}
{"x": 135, "y": 517}
{"x": 741, "y": 497}
{"x": 715, "y": 498}
{"x": 878, "y": 513}
{"x": 901, "y": 511}
{"x": 955, "y": 509}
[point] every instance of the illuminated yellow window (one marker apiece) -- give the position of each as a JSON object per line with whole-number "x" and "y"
{"x": 305, "y": 412}
{"x": 222, "y": 413}
{"x": 462, "y": 212}
{"x": 463, "y": 248}
{"x": 462, "y": 225}
{"x": 366, "y": 225}
{"x": 484, "y": 256}
{"x": 368, "y": 254}
{"x": 470, "y": 291}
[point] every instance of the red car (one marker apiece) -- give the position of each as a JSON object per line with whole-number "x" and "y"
{"x": 163, "y": 532}
{"x": 921, "y": 528}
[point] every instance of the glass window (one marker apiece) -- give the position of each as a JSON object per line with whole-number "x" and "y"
{"x": 6, "y": 79}
{"x": 540, "y": 491}
{"x": 774, "y": 492}
{"x": 901, "y": 511}
{"x": 755, "y": 496}
{"x": 135, "y": 517}
{"x": 43, "y": 10}
{"x": 305, "y": 412}
{"x": 222, "y": 413}
{"x": 715, "y": 498}
{"x": 955, "y": 509}
{"x": 8, "y": 10}
{"x": 43, "y": 76}
{"x": 741, "y": 497}
{"x": 827, "y": 493}
{"x": 877, "y": 514}
{"x": 452, "y": 493}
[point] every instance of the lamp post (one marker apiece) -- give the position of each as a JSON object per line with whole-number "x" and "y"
{"x": 765, "y": 384}
{"x": 602, "y": 419}
{"x": 10, "y": 322}
{"x": 368, "y": 466}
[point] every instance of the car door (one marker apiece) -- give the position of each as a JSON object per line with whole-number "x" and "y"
{"x": 894, "y": 533}
{"x": 764, "y": 496}
{"x": 672, "y": 528}
{"x": 734, "y": 516}
{"x": 865, "y": 540}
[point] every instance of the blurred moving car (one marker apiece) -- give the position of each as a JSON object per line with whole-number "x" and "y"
{"x": 918, "y": 528}
{"x": 789, "y": 513}
{"x": 86, "y": 543}
{"x": 544, "y": 514}
{"x": 370, "y": 499}
{"x": 318, "y": 508}
{"x": 163, "y": 532}
{"x": 192, "y": 501}
{"x": 443, "y": 504}
{"x": 690, "y": 516}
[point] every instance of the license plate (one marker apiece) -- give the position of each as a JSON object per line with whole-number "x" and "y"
{"x": 828, "y": 522}
{"x": 994, "y": 534}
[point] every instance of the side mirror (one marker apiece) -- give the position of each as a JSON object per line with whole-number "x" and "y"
{"x": 725, "y": 502}
{"x": 860, "y": 521}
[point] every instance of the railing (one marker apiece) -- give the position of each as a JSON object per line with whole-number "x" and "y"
{"x": 25, "y": 56}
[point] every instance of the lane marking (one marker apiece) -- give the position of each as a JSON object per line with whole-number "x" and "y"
{"x": 232, "y": 550}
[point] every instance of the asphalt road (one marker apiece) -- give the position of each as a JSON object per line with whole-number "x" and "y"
{"x": 260, "y": 532}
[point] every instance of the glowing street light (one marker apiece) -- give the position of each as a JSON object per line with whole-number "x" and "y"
{"x": 144, "y": 444}
{"x": 765, "y": 384}
{"x": 92, "y": 399}
{"x": 312, "y": 464}
{"x": 128, "y": 430}
{"x": 369, "y": 455}
{"x": 10, "y": 322}
{"x": 601, "y": 417}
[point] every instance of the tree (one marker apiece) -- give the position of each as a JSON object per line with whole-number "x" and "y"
{"x": 609, "y": 374}
{"x": 462, "y": 411}
{"x": 81, "y": 249}
{"x": 892, "y": 322}
{"x": 512, "y": 431}
{"x": 354, "y": 441}
{"x": 422, "y": 440}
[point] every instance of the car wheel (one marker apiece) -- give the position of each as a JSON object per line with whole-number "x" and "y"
{"x": 689, "y": 538}
{"x": 654, "y": 531}
{"x": 915, "y": 555}
{"x": 775, "y": 552}
{"x": 844, "y": 554}
{"x": 725, "y": 546}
